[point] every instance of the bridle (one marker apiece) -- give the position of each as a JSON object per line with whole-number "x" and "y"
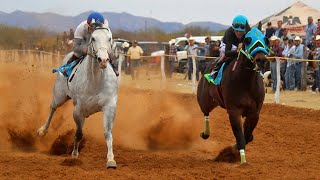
{"x": 93, "y": 53}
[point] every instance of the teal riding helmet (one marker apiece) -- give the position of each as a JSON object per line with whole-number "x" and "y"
{"x": 239, "y": 23}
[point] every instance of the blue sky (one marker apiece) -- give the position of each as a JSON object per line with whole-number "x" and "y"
{"x": 185, "y": 11}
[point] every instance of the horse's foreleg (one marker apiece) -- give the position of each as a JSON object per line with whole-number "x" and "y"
{"x": 235, "y": 120}
{"x": 109, "y": 115}
{"x": 79, "y": 120}
{"x": 249, "y": 124}
{"x": 44, "y": 129}
{"x": 58, "y": 100}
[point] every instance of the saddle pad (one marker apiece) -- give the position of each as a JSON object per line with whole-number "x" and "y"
{"x": 67, "y": 67}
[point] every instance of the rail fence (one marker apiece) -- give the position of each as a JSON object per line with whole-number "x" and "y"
{"x": 45, "y": 60}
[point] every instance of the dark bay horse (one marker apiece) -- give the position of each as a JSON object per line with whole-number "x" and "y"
{"x": 241, "y": 91}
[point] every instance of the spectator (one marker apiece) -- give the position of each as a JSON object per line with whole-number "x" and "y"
{"x": 318, "y": 29}
{"x": 214, "y": 50}
{"x": 315, "y": 54}
{"x": 65, "y": 37}
{"x": 298, "y": 54}
{"x": 125, "y": 47}
{"x": 201, "y": 61}
{"x": 191, "y": 51}
{"x": 285, "y": 35}
{"x": 270, "y": 30}
{"x": 71, "y": 34}
{"x": 283, "y": 64}
{"x": 208, "y": 41}
{"x": 290, "y": 70}
{"x": 279, "y": 30}
{"x": 310, "y": 31}
{"x": 173, "y": 56}
{"x": 277, "y": 52}
{"x": 135, "y": 52}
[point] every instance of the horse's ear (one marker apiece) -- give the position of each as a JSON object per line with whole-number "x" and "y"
{"x": 260, "y": 25}
{"x": 248, "y": 28}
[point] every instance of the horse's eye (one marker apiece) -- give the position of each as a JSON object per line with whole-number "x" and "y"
{"x": 109, "y": 39}
{"x": 93, "y": 39}
{"x": 247, "y": 40}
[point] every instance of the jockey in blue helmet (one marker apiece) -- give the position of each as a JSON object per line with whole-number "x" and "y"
{"x": 82, "y": 36}
{"x": 232, "y": 39}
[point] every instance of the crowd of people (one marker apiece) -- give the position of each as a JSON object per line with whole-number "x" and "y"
{"x": 295, "y": 49}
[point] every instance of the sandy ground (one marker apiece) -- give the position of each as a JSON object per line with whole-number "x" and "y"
{"x": 156, "y": 134}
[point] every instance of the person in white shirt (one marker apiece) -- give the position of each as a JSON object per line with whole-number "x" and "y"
{"x": 191, "y": 51}
{"x": 291, "y": 69}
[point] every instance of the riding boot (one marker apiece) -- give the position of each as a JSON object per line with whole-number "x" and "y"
{"x": 211, "y": 76}
{"x": 71, "y": 59}
{"x": 216, "y": 69}
{"x": 115, "y": 69}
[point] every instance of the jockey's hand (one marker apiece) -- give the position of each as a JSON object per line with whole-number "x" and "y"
{"x": 239, "y": 47}
{"x": 85, "y": 50}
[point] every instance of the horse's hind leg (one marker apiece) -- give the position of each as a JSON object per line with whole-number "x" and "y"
{"x": 58, "y": 100}
{"x": 206, "y": 107}
{"x": 79, "y": 120}
{"x": 109, "y": 115}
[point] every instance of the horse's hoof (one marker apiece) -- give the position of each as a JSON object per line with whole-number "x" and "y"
{"x": 74, "y": 154}
{"x": 42, "y": 132}
{"x": 204, "y": 136}
{"x": 111, "y": 164}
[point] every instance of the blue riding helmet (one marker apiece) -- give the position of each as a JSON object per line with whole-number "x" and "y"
{"x": 95, "y": 18}
{"x": 239, "y": 23}
{"x": 255, "y": 41}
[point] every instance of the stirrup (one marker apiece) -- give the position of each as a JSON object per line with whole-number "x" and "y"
{"x": 209, "y": 78}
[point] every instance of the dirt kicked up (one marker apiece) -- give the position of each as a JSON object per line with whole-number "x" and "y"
{"x": 156, "y": 136}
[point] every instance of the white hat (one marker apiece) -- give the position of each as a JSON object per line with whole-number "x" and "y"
{"x": 125, "y": 45}
{"x": 272, "y": 38}
{"x": 317, "y": 37}
{"x": 202, "y": 42}
{"x": 191, "y": 39}
{"x": 172, "y": 41}
{"x": 297, "y": 38}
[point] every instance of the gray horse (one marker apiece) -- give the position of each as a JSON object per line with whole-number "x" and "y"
{"x": 93, "y": 88}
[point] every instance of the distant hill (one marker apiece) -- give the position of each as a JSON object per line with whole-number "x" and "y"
{"x": 59, "y": 23}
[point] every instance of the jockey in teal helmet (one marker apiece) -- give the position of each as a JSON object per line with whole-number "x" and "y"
{"x": 82, "y": 36}
{"x": 232, "y": 38}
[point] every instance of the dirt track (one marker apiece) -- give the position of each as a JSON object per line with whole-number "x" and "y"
{"x": 156, "y": 136}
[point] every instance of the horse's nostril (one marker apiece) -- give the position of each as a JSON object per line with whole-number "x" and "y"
{"x": 99, "y": 59}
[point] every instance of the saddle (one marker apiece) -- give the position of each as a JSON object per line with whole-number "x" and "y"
{"x": 221, "y": 68}
{"x": 68, "y": 67}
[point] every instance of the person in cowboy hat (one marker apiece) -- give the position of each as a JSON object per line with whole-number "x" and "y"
{"x": 277, "y": 52}
{"x": 298, "y": 54}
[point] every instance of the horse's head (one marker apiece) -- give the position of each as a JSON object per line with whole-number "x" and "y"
{"x": 100, "y": 46}
{"x": 255, "y": 47}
